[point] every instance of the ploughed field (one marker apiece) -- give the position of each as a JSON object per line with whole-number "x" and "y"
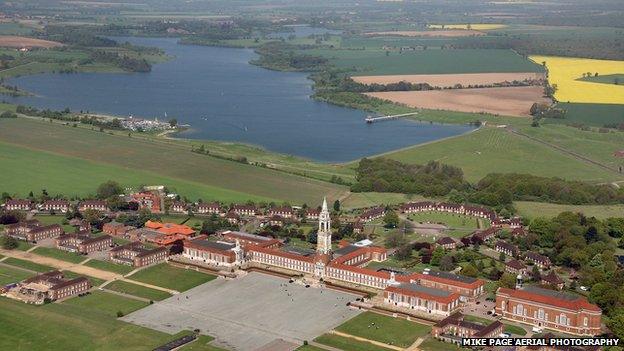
{"x": 14, "y": 41}
{"x": 514, "y": 101}
{"x": 451, "y": 80}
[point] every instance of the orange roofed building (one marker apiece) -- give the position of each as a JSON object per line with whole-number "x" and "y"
{"x": 169, "y": 232}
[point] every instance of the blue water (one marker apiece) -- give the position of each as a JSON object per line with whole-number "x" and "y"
{"x": 223, "y": 97}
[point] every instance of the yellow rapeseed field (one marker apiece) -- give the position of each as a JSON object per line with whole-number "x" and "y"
{"x": 475, "y": 26}
{"x": 565, "y": 72}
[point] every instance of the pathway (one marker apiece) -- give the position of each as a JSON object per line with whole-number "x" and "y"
{"x": 134, "y": 297}
{"x": 170, "y": 291}
{"x": 414, "y": 346}
{"x": 377, "y": 343}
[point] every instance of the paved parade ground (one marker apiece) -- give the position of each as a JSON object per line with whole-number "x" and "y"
{"x": 249, "y": 312}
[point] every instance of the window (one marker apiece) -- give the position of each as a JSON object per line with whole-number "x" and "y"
{"x": 585, "y": 321}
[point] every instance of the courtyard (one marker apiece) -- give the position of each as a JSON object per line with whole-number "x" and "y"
{"x": 249, "y": 312}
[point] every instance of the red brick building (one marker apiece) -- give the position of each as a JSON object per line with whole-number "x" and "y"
{"x": 506, "y": 248}
{"x": 541, "y": 261}
{"x": 245, "y": 210}
{"x": 33, "y": 230}
{"x": 48, "y": 286}
{"x": 56, "y": 206}
{"x": 116, "y": 229}
{"x": 421, "y": 298}
{"x": 213, "y": 252}
{"x": 447, "y": 243}
{"x": 454, "y": 328}
{"x": 137, "y": 255}
{"x": 549, "y": 309}
{"x": 469, "y": 288}
{"x": 18, "y": 204}
{"x": 372, "y": 214}
{"x": 148, "y": 200}
{"x": 247, "y": 239}
{"x": 208, "y": 208}
{"x": 97, "y": 205}
{"x": 83, "y": 242}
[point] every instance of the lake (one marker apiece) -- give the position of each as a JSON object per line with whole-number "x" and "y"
{"x": 223, "y": 97}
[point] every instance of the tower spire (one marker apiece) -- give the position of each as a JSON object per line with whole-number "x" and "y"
{"x": 324, "y": 230}
{"x": 324, "y": 204}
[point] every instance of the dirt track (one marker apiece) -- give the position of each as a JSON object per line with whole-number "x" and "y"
{"x": 450, "y": 80}
{"x": 430, "y": 33}
{"x": 13, "y": 41}
{"x": 514, "y": 101}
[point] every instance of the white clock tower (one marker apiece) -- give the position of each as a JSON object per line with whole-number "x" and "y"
{"x": 323, "y": 243}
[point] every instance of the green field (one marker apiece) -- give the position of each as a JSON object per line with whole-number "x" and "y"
{"x": 348, "y": 344}
{"x": 10, "y": 275}
{"x": 542, "y": 209}
{"x": 171, "y": 277}
{"x": 109, "y": 266}
{"x": 137, "y": 290}
{"x": 595, "y": 145}
{"x": 59, "y": 254}
{"x": 309, "y": 348}
{"x": 376, "y": 62}
{"x": 591, "y": 114}
{"x": 131, "y": 162}
{"x": 495, "y": 150}
{"x": 389, "y": 330}
{"x": 11, "y": 28}
{"x": 509, "y": 328}
{"x": 70, "y": 327}
{"x": 28, "y": 265}
{"x": 106, "y": 303}
{"x": 606, "y": 79}
{"x": 380, "y": 42}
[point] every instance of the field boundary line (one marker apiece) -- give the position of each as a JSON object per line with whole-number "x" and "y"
{"x": 130, "y": 296}
{"x": 378, "y": 343}
{"x": 155, "y": 287}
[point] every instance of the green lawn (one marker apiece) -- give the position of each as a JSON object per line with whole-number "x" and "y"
{"x": 130, "y": 161}
{"x": 201, "y": 344}
{"x": 496, "y": 150}
{"x": 389, "y": 330}
{"x": 171, "y": 277}
{"x": 28, "y": 265}
{"x": 106, "y": 303}
{"x": 59, "y": 254}
{"x": 513, "y": 329}
{"x": 449, "y": 219}
{"x": 56, "y": 219}
{"x": 10, "y": 275}
{"x": 71, "y": 327}
{"x": 432, "y": 344}
{"x": 109, "y": 266}
{"x": 377, "y": 62}
{"x": 24, "y": 246}
{"x": 137, "y": 290}
{"x": 347, "y": 344}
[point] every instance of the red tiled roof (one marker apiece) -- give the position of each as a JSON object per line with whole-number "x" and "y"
{"x": 423, "y": 295}
{"x": 570, "y": 304}
{"x": 280, "y": 253}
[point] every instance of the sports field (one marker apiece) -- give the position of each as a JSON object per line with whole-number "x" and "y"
{"x": 567, "y": 72}
{"x": 348, "y": 344}
{"x": 451, "y": 220}
{"x": 375, "y": 62}
{"x": 95, "y": 157}
{"x": 513, "y": 101}
{"x": 495, "y": 150}
{"x": 170, "y": 277}
{"x": 386, "y": 329}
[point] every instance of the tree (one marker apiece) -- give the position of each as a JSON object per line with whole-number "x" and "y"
{"x": 535, "y": 274}
{"x": 470, "y": 271}
{"x": 437, "y": 255}
{"x": 173, "y": 122}
{"x": 446, "y": 263}
{"x": 616, "y": 323}
{"x": 9, "y": 243}
{"x": 395, "y": 239}
{"x": 507, "y": 280}
{"x": 109, "y": 189}
{"x": 404, "y": 252}
{"x": 391, "y": 219}
{"x": 337, "y": 205}
{"x": 501, "y": 257}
